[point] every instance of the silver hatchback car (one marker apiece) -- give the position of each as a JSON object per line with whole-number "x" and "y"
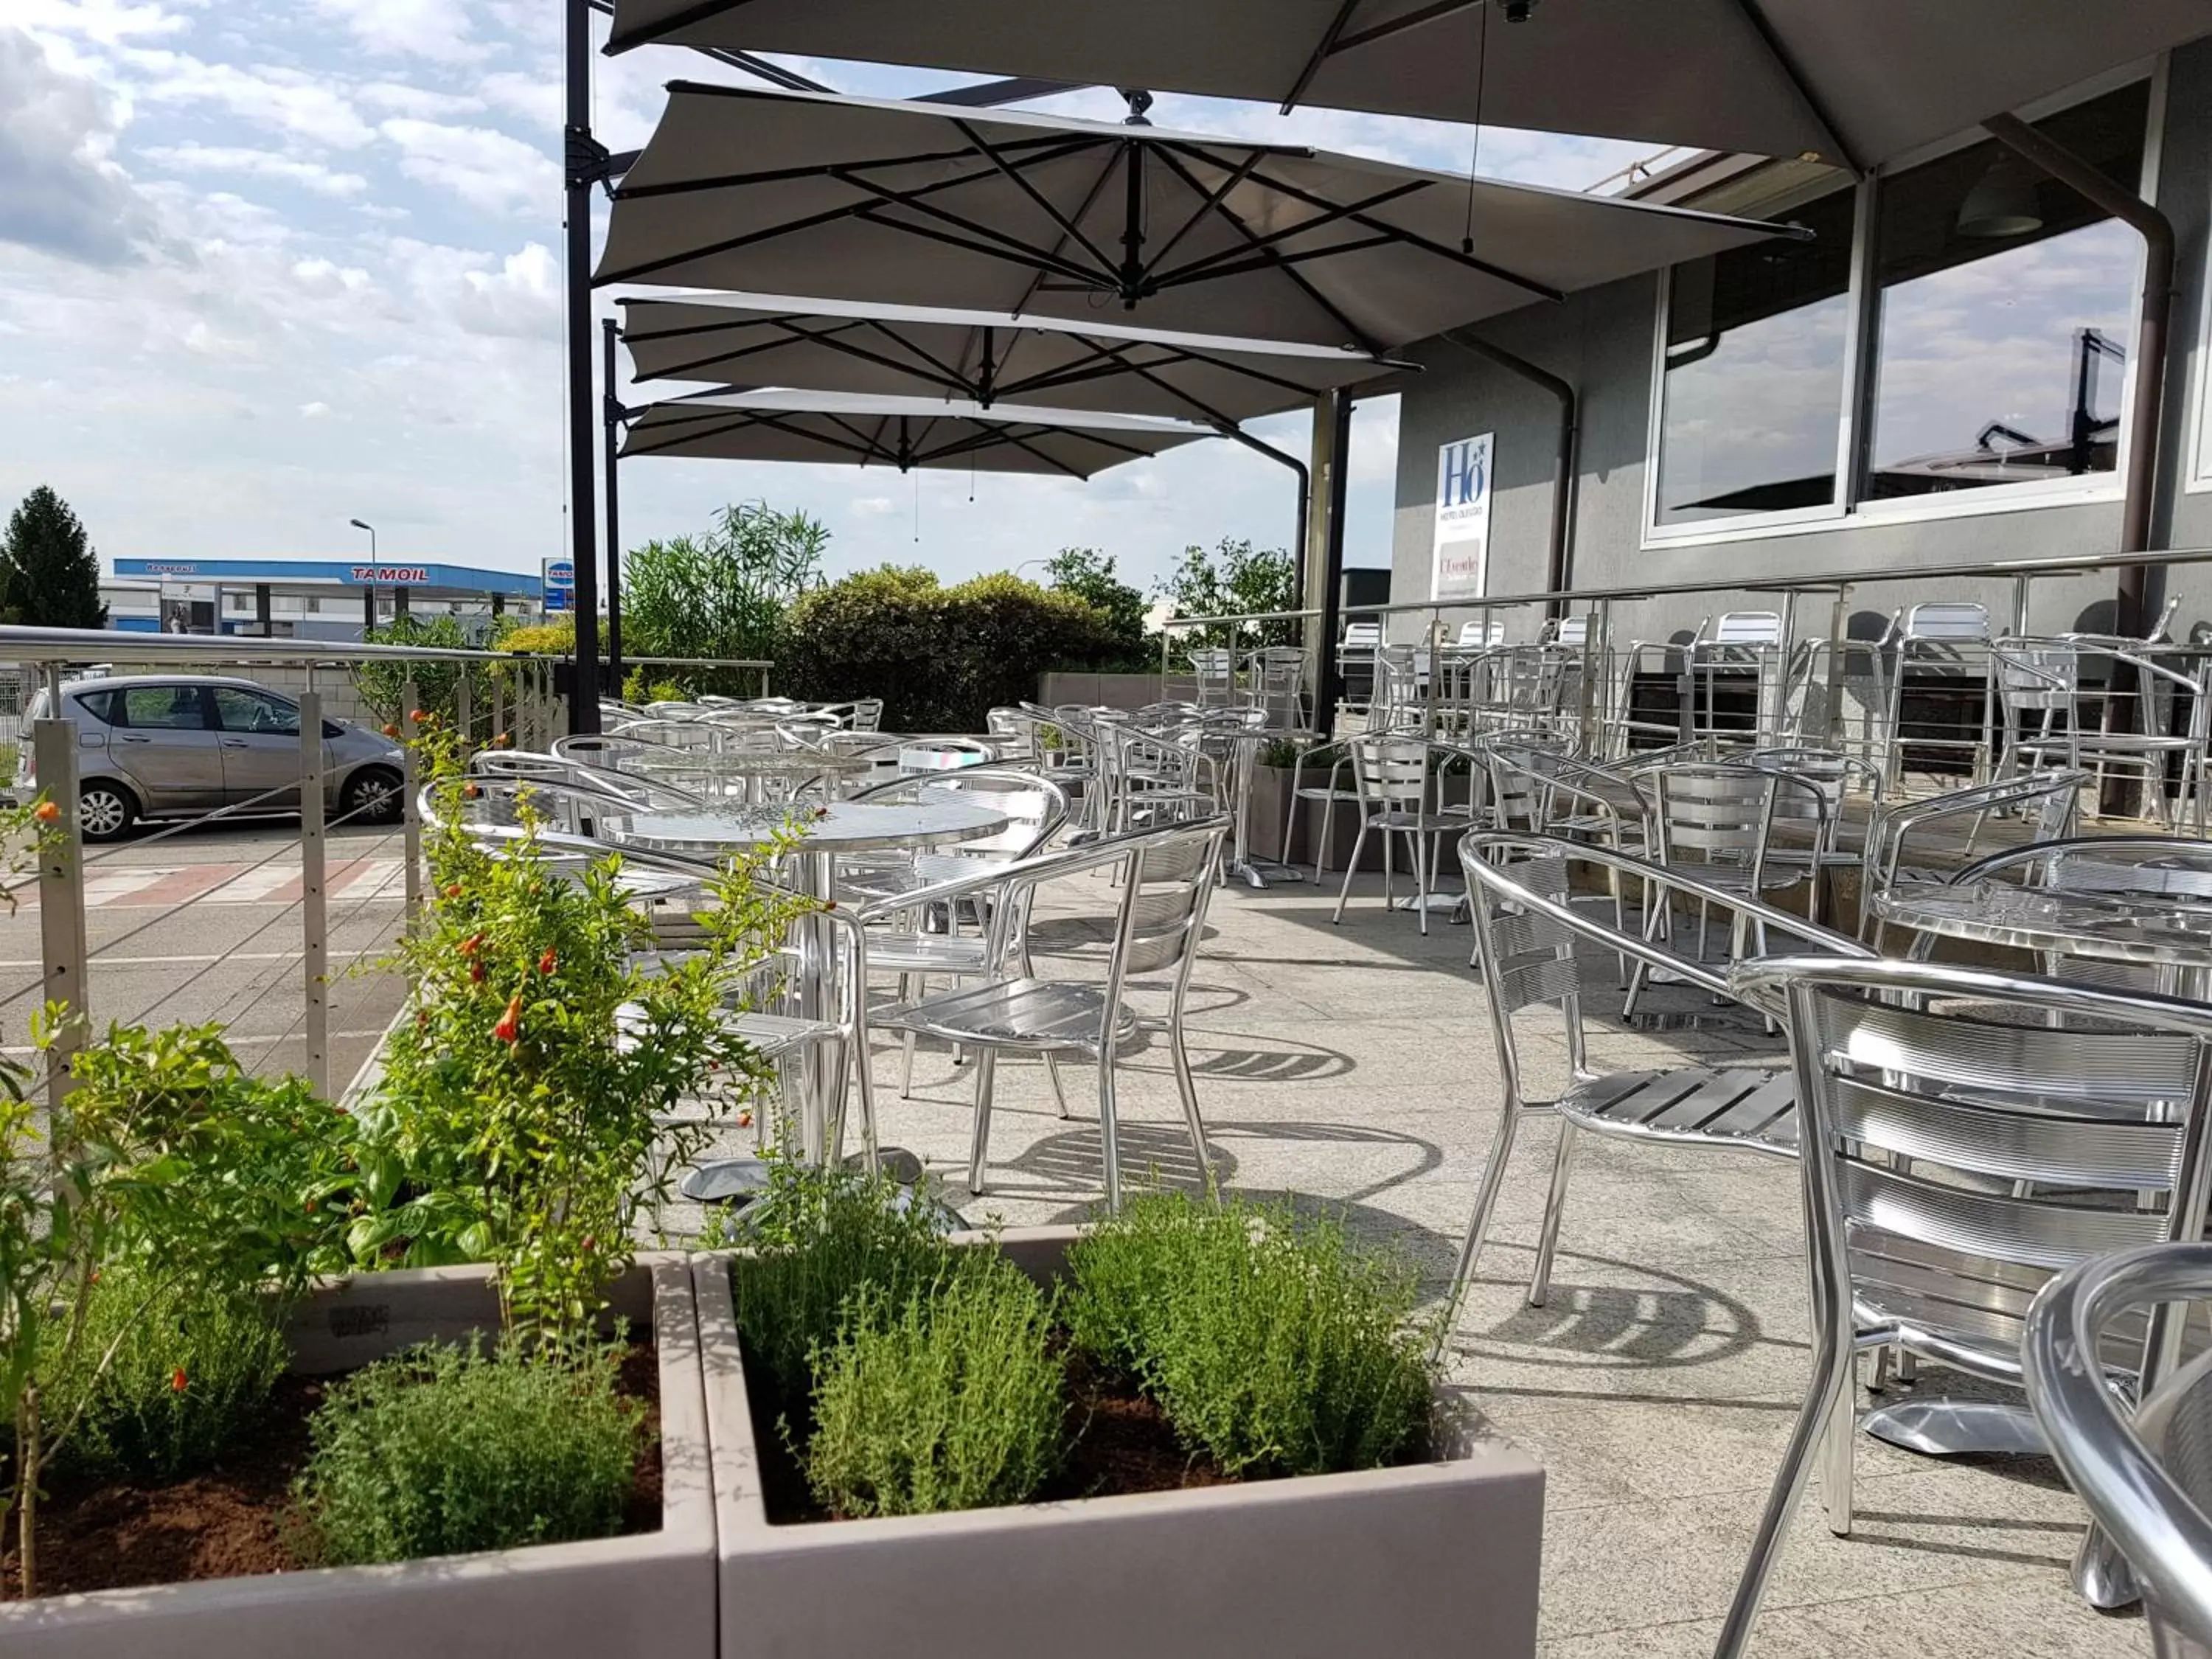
{"x": 171, "y": 746}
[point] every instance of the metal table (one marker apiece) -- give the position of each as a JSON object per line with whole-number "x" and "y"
{"x": 842, "y": 827}
{"x": 2173, "y": 935}
{"x": 1245, "y": 743}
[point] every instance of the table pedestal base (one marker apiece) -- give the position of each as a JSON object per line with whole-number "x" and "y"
{"x": 1943, "y": 1428}
{"x": 738, "y": 1181}
{"x": 1258, "y": 873}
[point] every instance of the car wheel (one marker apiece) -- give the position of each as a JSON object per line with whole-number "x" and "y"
{"x": 372, "y": 796}
{"x": 104, "y": 811}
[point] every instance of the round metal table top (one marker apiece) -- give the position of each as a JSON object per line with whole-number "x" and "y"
{"x": 2111, "y": 926}
{"x": 842, "y": 827}
{"x": 752, "y": 762}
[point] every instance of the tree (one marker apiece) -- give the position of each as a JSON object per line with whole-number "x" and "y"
{"x": 49, "y": 577}
{"x": 1234, "y": 579}
{"x": 723, "y": 593}
{"x": 1090, "y": 575}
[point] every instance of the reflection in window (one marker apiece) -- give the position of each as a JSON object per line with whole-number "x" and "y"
{"x": 2006, "y": 311}
{"x": 1753, "y": 388}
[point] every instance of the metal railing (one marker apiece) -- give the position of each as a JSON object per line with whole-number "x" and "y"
{"x": 488, "y": 696}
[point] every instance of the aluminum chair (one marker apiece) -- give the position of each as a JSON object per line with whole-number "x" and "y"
{"x": 2147, "y": 1479}
{"x": 1214, "y": 667}
{"x": 2054, "y": 797}
{"x": 1739, "y": 641}
{"x": 1332, "y": 763}
{"x": 1527, "y": 929}
{"x": 2056, "y": 713}
{"x": 1392, "y": 775}
{"x": 1277, "y": 682}
{"x": 1964, "y": 1135}
{"x": 1166, "y": 876}
{"x": 1941, "y": 633}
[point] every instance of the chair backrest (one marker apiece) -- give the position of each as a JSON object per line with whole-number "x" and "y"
{"x": 1528, "y": 928}
{"x": 944, "y": 754}
{"x": 1719, "y": 814}
{"x": 1390, "y": 771}
{"x": 1954, "y": 622}
{"x": 2055, "y": 796}
{"x": 2148, "y": 1482}
{"x": 1037, "y": 807}
{"x": 1361, "y": 636}
{"x": 1533, "y": 787}
{"x": 1956, "y": 1125}
{"x": 1214, "y": 667}
{"x": 1476, "y": 635}
{"x": 2037, "y": 678}
{"x": 1573, "y": 631}
{"x": 1747, "y": 627}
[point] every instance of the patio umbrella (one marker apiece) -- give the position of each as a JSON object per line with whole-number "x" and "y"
{"x": 989, "y": 358}
{"x": 742, "y": 188}
{"x": 1852, "y": 83}
{"x": 897, "y": 433}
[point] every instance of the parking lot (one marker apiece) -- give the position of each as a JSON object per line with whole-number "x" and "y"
{"x": 205, "y": 924}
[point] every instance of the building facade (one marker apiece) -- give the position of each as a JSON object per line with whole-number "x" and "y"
{"x": 1941, "y": 374}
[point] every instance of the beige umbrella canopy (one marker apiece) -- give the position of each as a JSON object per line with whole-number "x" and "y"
{"x": 979, "y": 357}
{"x": 1851, "y": 82}
{"x": 915, "y": 203}
{"x": 899, "y": 434}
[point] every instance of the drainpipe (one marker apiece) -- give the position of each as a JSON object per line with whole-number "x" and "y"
{"x": 2143, "y": 420}
{"x": 1559, "y": 565}
{"x": 1230, "y": 429}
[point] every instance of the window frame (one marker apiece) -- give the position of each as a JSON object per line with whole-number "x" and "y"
{"x": 1852, "y": 507}
{"x": 122, "y": 707}
{"x": 280, "y": 703}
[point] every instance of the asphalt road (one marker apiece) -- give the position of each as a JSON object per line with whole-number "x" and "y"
{"x": 205, "y": 924}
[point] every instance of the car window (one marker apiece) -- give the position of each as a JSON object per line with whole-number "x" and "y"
{"x": 98, "y": 704}
{"x": 162, "y": 707}
{"x": 237, "y": 709}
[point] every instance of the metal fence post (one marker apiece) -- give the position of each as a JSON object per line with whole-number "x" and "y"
{"x": 314, "y": 918}
{"x": 463, "y": 714}
{"x": 410, "y": 819}
{"x": 61, "y": 895}
{"x": 498, "y": 687}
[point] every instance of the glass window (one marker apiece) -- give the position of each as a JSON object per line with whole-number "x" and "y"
{"x": 163, "y": 707}
{"x": 1751, "y": 393}
{"x": 96, "y": 704}
{"x": 240, "y": 710}
{"x": 2006, "y": 310}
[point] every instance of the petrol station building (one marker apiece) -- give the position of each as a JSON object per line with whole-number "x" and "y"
{"x": 310, "y": 598}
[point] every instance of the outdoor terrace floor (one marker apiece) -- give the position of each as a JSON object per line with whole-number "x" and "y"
{"x": 1354, "y": 1066}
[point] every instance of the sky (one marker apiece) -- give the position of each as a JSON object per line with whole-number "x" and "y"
{"x": 270, "y": 266}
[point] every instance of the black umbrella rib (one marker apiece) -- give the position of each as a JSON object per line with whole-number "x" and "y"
{"x": 1145, "y": 373}
{"x": 1414, "y": 239}
{"x": 785, "y": 175}
{"x": 1314, "y": 59}
{"x": 1786, "y": 62}
{"x": 1237, "y": 366}
{"x": 1083, "y": 210}
{"x": 1334, "y": 313}
{"x": 1236, "y": 175}
{"x": 1096, "y": 363}
{"x": 700, "y": 12}
{"x": 1009, "y": 246}
{"x": 948, "y": 376}
{"x": 1068, "y": 227}
{"x": 736, "y": 352}
{"x": 1412, "y": 20}
{"x": 1352, "y": 210}
{"x": 640, "y": 436}
{"x": 872, "y": 444}
{"x": 1028, "y": 257}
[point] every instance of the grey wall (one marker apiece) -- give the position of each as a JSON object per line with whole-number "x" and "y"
{"x": 1601, "y": 341}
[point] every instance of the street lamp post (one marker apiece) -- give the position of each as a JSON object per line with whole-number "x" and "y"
{"x": 368, "y": 588}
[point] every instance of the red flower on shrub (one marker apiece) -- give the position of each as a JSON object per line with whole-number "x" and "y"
{"x": 47, "y": 812}
{"x": 470, "y": 791}
{"x": 390, "y": 729}
{"x": 417, "y": 716}
{"x": 476, "y": 971}
{"x": 509, "y": 1028}
{"x": 470, "y": 946}
{"x": 548, "y": 963}
{"x": 177, "y": 1380}
{"x": 453, "y": 891}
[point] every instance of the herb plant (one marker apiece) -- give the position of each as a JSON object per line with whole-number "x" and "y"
{"x": 1271, "y": 1340}
{"x": 952, "y": 1399}
{"x": 187, "y": 1371}
{"x": 819, "y": 1236}
{"x": 443, "y": 1450}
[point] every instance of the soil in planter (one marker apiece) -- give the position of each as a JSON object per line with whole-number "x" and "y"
{"x": 234, "y": 1520}
{"x": 1119, "y": 1444}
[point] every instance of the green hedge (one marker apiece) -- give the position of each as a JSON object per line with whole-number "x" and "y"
{"x": 940, "y": 658}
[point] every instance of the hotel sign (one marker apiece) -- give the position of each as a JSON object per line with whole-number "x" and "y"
{"x": 395, "y": 575}
{"x": 1461, "y": 550}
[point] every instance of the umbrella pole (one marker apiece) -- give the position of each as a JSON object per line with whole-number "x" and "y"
{"x": 585, "y": 163}
{"x": 611, "y": 406}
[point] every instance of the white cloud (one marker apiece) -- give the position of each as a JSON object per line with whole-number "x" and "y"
{"x": 314, "y": 410}
{"x": 104, "y": 23}
{"x": 60, "y": 192}
{"x": 486, "y": 169}
{"x": 426, "y": 102}
{"x": 259, "y": 163}
{"x": 287, "y": 101}
{"x": 875, "y": 507}
{"x": 437, "y": 30}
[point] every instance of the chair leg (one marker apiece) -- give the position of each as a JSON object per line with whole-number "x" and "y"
{"x": 1110, "y": 1133}
{"x": 980, "y": 1150}
{"x": 1831, "y": 1360}
{"x": 865, "y": 1086}
{"x": 1836, "y": 1454}
{"x": 1358, "y": 845}
{"x": 1052, "y": 1076}
{"x": 1478, "y": 1224}
{"x": 1555, "y": 1205}
{"x": 1389, "y": 872}
{"x": 1420, "y": 878}
{"x": 1187, "y": 1086}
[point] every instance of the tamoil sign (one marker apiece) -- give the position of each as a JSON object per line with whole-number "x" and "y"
{"x": 1461, "y": 548}
{"x": 559, "y": 578}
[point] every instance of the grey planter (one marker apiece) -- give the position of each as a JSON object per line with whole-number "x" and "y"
{"x": 651, "y": 1595}
{"x": 1440, "y": 1557}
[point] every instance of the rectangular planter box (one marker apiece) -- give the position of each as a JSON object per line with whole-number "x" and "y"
{"x": 1437, "y": 1557}
{"x": 650, "y": 1594}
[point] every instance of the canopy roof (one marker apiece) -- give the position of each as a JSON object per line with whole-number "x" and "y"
{"x": 897, "y": 432}
{"x": 988, "y": 358}
{"x": 1853, "y": 82}
{"x": 853, "y": 198}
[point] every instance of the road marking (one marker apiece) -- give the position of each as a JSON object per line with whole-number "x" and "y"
{"x": 173, "y": 886}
